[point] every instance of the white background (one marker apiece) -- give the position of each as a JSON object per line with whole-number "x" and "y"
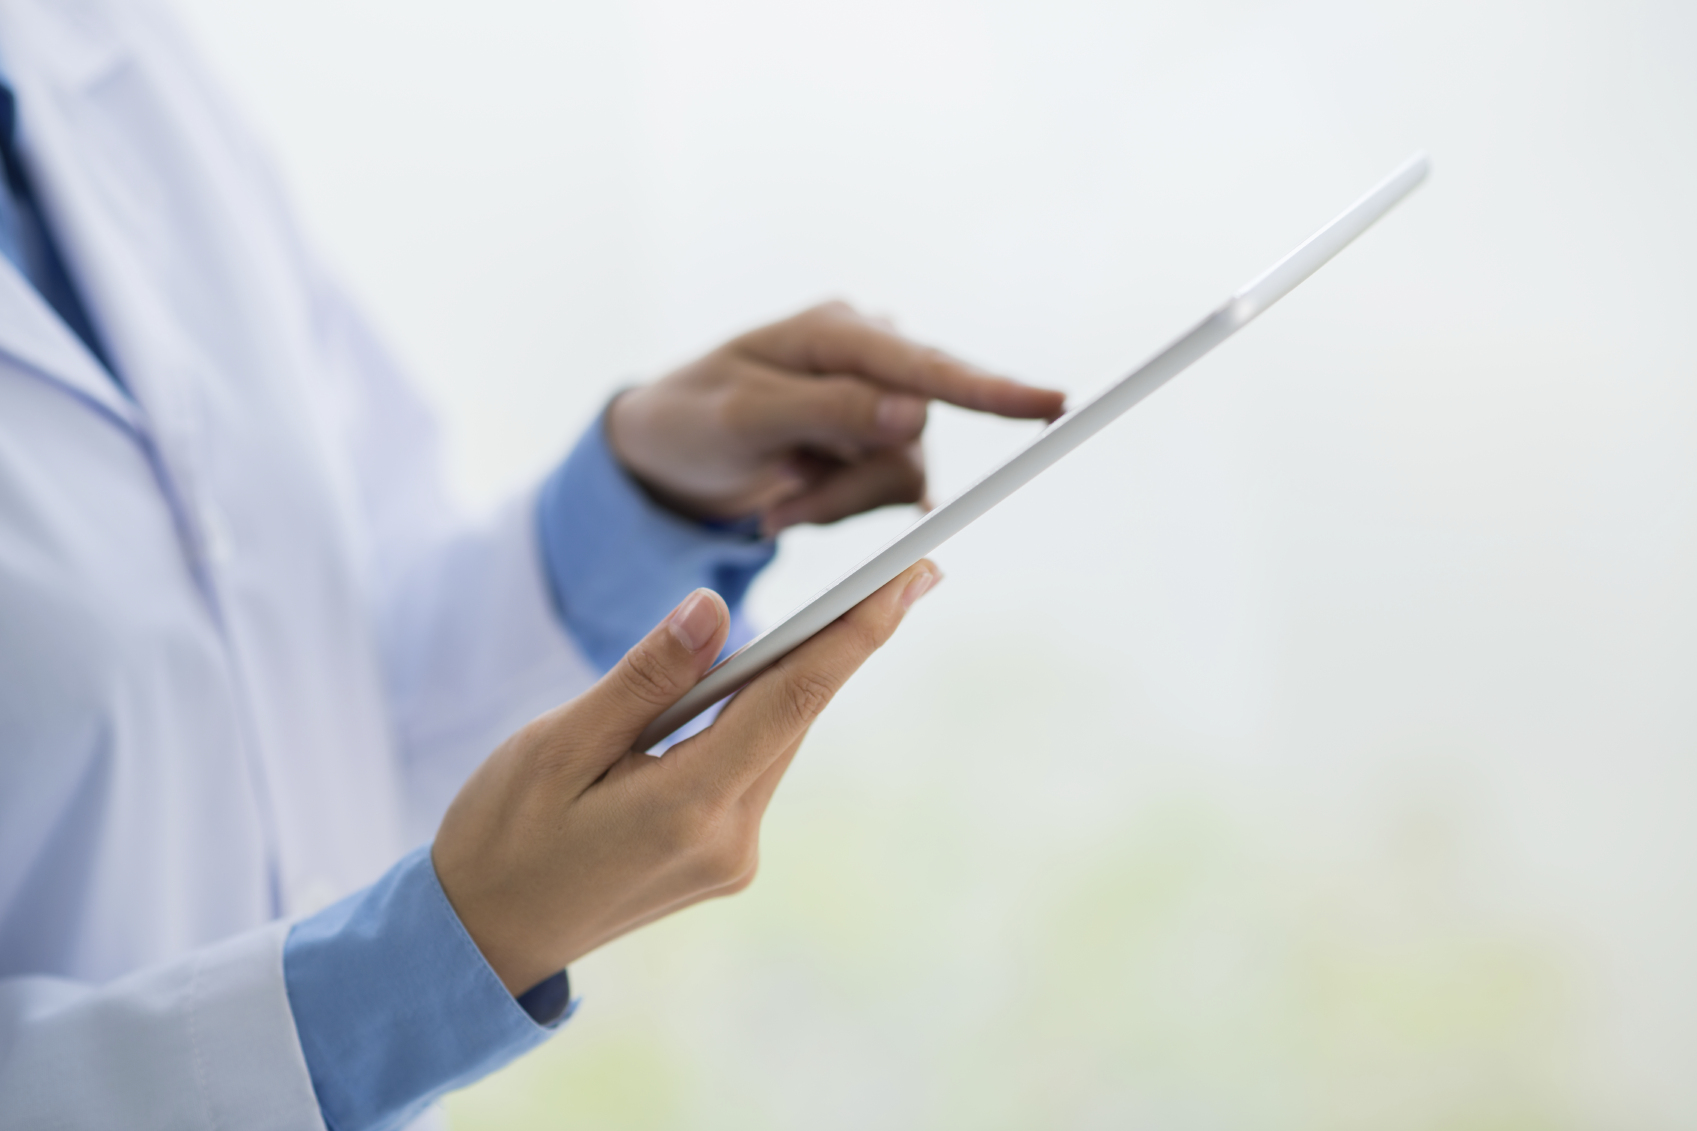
{"x": 1318, "y": 746}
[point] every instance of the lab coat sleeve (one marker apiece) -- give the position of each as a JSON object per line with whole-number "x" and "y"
{"x": 206, "y": 1041}
{"x": 470, "y": 644}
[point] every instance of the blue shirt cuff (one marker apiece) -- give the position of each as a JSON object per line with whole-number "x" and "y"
{"x": 394, "y": 1004}
{"x": 618, "y": 561}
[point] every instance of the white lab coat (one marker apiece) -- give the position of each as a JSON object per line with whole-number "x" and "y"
{"x": 247, "y": 652}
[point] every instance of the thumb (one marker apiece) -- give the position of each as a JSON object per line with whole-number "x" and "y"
{"x": 652, "y": 676}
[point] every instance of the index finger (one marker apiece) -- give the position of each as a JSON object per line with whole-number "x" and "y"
{"x": 772, "y": 713}
{"x": 834, "y": 338}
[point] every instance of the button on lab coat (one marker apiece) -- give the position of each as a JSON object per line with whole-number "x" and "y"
{"x": 247, "y": 651}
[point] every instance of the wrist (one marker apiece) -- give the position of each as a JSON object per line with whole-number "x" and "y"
{"x": 493, "y": 918}
{"x": 625, "y": 427}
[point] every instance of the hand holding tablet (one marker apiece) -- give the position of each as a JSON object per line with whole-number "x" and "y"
{"x": 1050, "y": 445}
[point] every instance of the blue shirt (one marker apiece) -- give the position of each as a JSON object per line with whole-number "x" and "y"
{"x": 393, "y": 1003}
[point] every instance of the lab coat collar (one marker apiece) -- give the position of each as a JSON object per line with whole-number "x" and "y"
{"x": 56, "y": 52}
{"x": 34, "y": 336}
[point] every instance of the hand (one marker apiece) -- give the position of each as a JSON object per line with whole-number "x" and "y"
{"x": 565, "y": 839}
{"x": 811, "y": 419}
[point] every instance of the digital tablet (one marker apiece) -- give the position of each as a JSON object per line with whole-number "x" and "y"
{"x": 1055, "y": 441}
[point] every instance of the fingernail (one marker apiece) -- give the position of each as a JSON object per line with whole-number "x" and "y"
{"x": 920, "y": 586}
{"x": 695, "y": 621}
{"x": 899, "y": 415}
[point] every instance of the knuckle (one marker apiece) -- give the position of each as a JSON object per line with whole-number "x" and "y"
{"x": 744, "y": 881}
{"x": 934, "y": 365}
{"x": 832, "y": 309}
{"x": 860, "y": 403}
{"x": 647, "y": 678}
{"x": 729, "y": 862}
{"x": 941, "y": 371}
{"x": 739, "y": 409}
{"x": 867, "y": 632}
{"x": 686, "y": 830}
{"x": 809, "y": 694}
{"x": 820, "y": 331}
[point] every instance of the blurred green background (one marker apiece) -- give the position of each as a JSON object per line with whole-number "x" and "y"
{"x": 983, "y": 922}
{"x": 1316, "y": 748}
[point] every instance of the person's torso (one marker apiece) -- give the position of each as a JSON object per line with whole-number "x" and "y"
{"x": 193, "y": 734}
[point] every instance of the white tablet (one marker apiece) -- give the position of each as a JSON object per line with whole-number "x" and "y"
{"x": 1051, "y": 444}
